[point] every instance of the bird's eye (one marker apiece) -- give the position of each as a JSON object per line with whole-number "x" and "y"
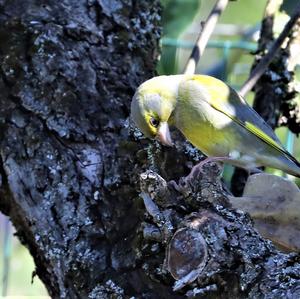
{"x": 154, "y": 122}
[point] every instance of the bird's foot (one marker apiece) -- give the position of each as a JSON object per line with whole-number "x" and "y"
{"x": 184, "y": 187}
{"x": 181, "y": 186}
{"x": 185, "y": 184}
{"x": 198, "y": 168}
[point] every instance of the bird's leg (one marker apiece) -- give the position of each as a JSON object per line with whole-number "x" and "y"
{"x": 184, "y": 182}
{"x": 198, "y": 167}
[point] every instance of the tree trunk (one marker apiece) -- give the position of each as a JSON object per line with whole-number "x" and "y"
{"x": 68, "y": 72}
{"x": 71, "y": 167}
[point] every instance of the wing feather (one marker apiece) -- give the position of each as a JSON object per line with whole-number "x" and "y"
{"x": 248, "y": 118}
{"x": 227, "y": 101}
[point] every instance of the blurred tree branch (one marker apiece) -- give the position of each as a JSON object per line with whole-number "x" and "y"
{"x": 266, "y": 60}
{"x": 204, "y": 36}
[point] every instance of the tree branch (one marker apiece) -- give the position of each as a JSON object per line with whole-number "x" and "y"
{"x": 263, "y": 64}
{"x": 204, "y": 36}
{"x": 206, "y": 248}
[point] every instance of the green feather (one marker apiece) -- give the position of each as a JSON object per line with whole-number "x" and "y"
{"x": 250, "y": 127}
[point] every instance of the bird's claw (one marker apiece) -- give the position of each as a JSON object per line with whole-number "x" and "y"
{"x": 174, "y": 185}
{"x": 183, "y": 186}
{"x": 186, "y": 184}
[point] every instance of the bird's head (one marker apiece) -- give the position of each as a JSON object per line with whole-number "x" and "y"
{"x": 152, "y": 106}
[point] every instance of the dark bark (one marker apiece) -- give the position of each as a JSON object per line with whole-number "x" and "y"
{"x": 211, "y": 250}
{"x": 71, "y": 165}
{"x": 68, "y": 71}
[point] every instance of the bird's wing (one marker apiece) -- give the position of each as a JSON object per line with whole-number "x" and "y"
{"x": 237, "y": 109}
{"x": 227, "y": 101}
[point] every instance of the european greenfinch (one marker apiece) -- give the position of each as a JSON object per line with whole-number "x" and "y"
{"x": 213, "y": 117}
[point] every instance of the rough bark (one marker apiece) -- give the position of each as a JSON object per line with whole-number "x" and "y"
{"x": 71, "y": 165}
{"x": 68, "y": 71}
{"x": 211, "y": 250}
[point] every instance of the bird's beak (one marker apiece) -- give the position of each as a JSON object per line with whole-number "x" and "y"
{"x": 164, "y": 135}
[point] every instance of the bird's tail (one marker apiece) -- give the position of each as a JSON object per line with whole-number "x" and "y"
{"x": 290, "y": 165}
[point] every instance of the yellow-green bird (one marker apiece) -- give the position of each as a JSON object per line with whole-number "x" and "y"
{"x": 213, "y": 117}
